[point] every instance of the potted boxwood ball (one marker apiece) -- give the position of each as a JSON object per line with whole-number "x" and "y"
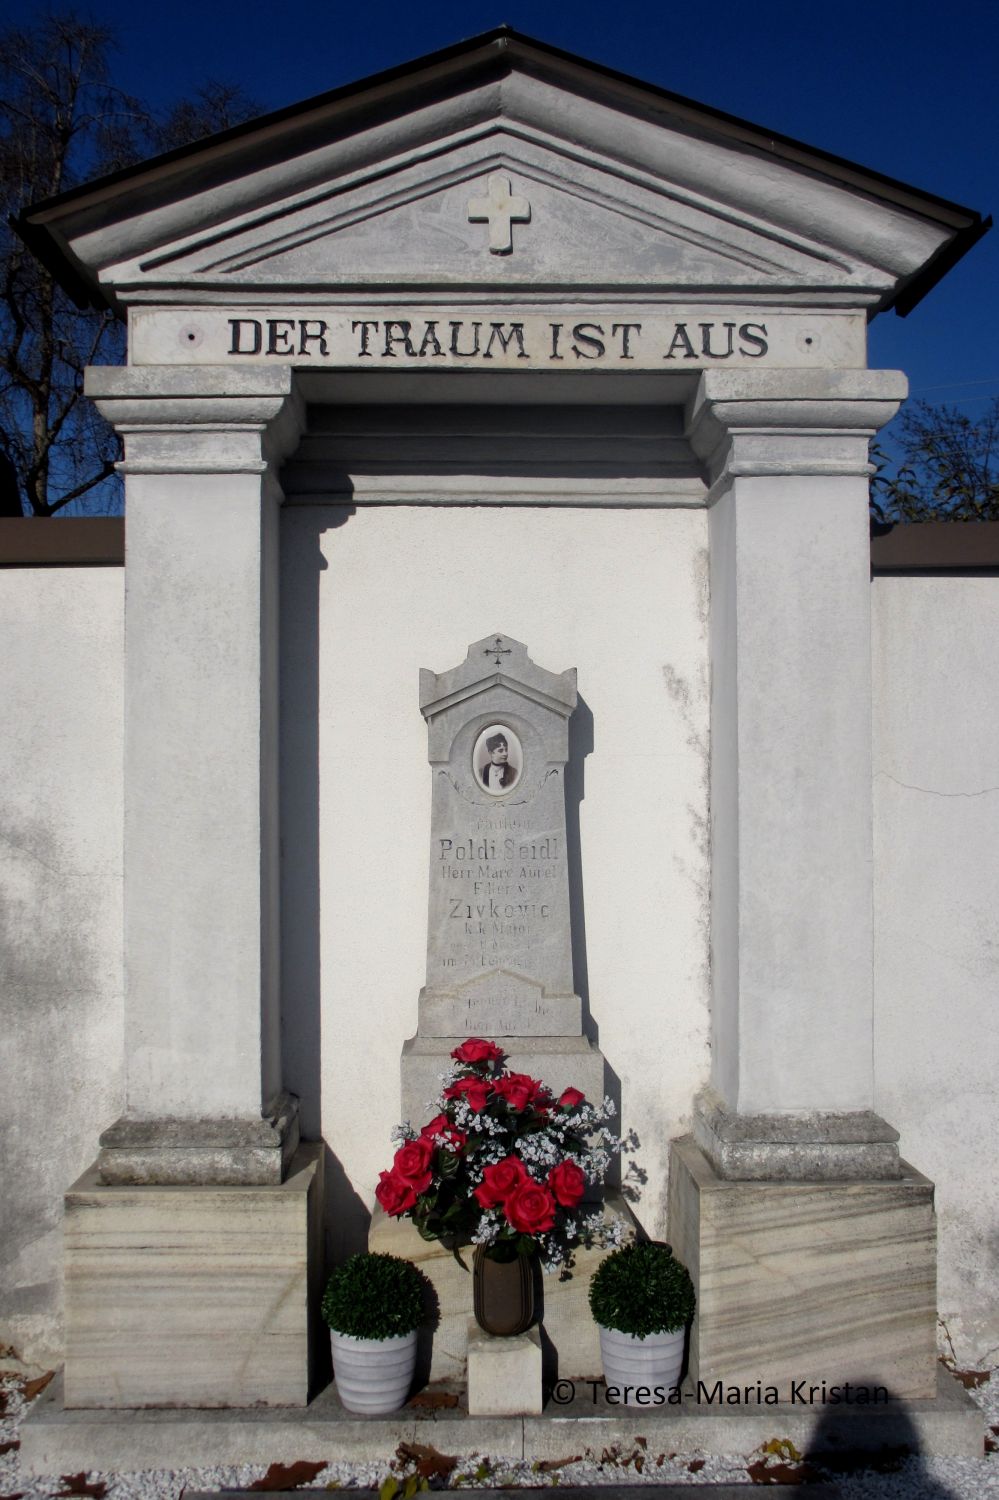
{"x": 642, "y": 1298}
{"x": 374, "y": 1307}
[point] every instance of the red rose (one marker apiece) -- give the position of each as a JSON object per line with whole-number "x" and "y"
{"x": 499, "y": 1181}
{"x": 520, "y": 1090}
{"x": 412, "y": 1162}
{"x": 571, "y": 1099}
{"x": 530, "y": 1208}
{"x": 476, "y": 1050}
{"x": 567, "y": 1183}
{"x": 394, "y": 1193}
{"x": 475, "y": 1090}
{"x": 441, "y": 1129}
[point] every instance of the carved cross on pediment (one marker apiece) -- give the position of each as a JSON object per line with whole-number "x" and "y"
{"x": 500, "y": 211}
{"x": 497, "y": 650}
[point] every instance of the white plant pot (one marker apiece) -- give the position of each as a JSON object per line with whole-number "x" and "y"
{"x": 630, "y": 1361}
{"x": 373, "y": 1375}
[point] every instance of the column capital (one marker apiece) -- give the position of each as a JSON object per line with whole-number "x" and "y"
{"x": 187, "y": 419}
{"x": 789, "y": 422}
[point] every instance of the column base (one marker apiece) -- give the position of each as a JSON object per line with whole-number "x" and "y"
{"x": 803, "y": 1284}
{"x": 818, "y": 1147}
{"x": 219, "y": 1152}
{"x": 188, "y": 1296}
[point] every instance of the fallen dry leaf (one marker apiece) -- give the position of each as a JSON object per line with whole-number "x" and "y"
{"x": 76, "y": 1484}
{"x": 430, "y": 1464}
{"x": 781, "y": 1473}
{"x": 781, "y": 1448}
{"x": 549, "y": 1465}
{"x": 434, "y": 1400}
{"x": 8, "y": 1447}
{"x": 971, "y": 1378}
{"x": 762, "y": 1473}
{"x": 287, "y": 1476}
{"x": 696, "y": 1465}
{"x": 33, "y": 1388}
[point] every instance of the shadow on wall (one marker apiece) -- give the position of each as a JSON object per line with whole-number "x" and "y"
{"x": 347, "y": 1218}
{"x": 580, "y": 746}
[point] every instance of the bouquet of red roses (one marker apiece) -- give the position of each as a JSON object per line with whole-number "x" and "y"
{"x": 504, "y": 1164}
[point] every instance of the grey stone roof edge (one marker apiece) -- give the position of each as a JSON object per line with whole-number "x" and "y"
{"x": 499, "y": 49}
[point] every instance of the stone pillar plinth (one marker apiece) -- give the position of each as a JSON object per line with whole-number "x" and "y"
{"x": 198, "y": 1201}
{"x": 204, "y": 1092}
{"x": 791, "y": 1205}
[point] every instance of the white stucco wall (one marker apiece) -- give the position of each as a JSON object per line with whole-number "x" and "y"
{"x": 369, "y": 598}
{"x": 622, "y": 596}
{"x": 936, "y": 830}
{"x": 60, "y": 920}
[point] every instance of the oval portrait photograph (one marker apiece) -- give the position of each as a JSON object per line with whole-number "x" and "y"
{"x": 497, "y": 760}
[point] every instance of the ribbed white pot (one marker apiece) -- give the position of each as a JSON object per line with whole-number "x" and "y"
{"x": 630, "y": 1361}
{"x": 373, "y": 1375}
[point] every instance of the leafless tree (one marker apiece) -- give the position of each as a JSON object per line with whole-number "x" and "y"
{"x": 62, "y": 121}
{"x": 947, "y": 467}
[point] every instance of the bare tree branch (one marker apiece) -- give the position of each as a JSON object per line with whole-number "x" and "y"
{"x": 947, "y": 469}
{"x": 62, "y": 121}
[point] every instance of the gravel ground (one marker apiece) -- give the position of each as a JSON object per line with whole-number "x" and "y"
{"x": 913, "y": 1479}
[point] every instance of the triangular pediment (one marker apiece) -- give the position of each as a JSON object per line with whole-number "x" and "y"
{"x": 608, "y": 183}
{"x": 579, "y": 219}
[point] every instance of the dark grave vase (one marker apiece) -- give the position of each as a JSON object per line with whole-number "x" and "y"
{"x": 502, "y": 1293}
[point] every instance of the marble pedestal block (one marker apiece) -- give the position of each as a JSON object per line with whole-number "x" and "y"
{"x": 559, "y": 1061}
{"x": 807, "y": 1281}
{"x": 504, "y": 1374}
{"x": 195, "y": 1296}
{"x": 563, "y": 1309}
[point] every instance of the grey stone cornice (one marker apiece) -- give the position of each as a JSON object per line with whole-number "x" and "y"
{"x": 199, "y": 419}
{"x": 790, "y": 422}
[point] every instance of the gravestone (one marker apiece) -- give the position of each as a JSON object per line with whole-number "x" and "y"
{"x": 499, "y": 945}
{"x": 499, "y": 942}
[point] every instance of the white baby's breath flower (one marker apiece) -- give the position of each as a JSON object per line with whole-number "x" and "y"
{"x": 487, "y": 1230}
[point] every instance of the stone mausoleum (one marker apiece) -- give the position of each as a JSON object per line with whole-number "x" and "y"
{"x": 509, "y": 370}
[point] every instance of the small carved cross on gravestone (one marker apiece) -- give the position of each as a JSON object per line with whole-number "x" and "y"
{"x": 500, "y": 211}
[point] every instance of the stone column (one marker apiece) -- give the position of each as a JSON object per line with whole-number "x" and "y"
{"x": 203, "y": 1068}
{"x": 791, "y": 1151}
{"x": 199, "y": 1199}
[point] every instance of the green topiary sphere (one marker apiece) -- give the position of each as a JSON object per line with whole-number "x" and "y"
{"x": 374, "y": 1297}
{"x": 641, "y": 1289}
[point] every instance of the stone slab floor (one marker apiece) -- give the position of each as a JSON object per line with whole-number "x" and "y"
{"x": 636, "y": 1464}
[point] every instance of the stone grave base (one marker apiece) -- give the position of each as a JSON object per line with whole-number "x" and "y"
{"x": 57, "y": 1441}
{"x": 570, "y": 1337}
{"x": 807, "y": 1282}
{"x": 559, "y": 1061}
{"x": 194, "y": 1295}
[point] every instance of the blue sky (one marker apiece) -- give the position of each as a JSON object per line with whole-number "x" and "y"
{"x": 906, "y": 88}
